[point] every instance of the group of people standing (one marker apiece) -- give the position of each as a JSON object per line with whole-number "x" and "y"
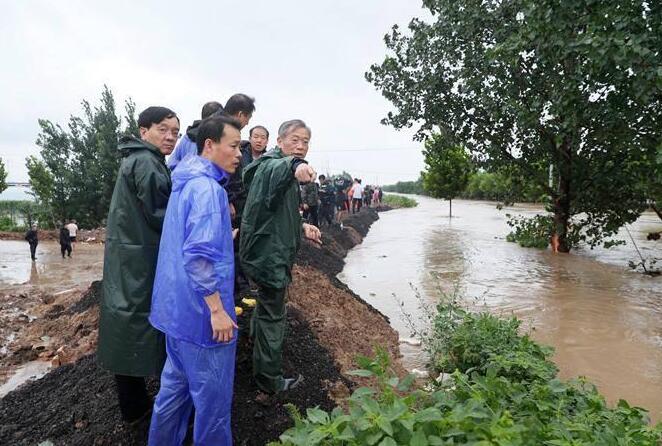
{"x": 321, "y": 201}
{"x": 179, "y": 237}
{"x": 67, "y": 238}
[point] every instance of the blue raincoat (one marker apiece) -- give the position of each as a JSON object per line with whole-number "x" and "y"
{"x": 195, "y": 260}
{"x": 185, "y": 148}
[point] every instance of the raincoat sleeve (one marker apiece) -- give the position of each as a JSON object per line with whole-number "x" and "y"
{"x": 153, "y": 191}
{"x": 202, "y": 246}
{"x": 280, "y": 177}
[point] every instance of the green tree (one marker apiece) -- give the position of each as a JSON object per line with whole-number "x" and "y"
{"x": 447, "y": 169}
{"x": 3, "y": 176}
{"x": 533, "y": 83}
{"x": 75, "y": 175}
{"x": 42, "y": 185}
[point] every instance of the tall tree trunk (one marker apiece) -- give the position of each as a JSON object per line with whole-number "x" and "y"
{"x": 562, "y": 202}
{"x": 450, "y": 208}
{"x": 657, "y": 211}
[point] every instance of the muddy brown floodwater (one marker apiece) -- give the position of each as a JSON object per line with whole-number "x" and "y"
{"x": 50, "y": 273}
{"x": 604, "y": 320}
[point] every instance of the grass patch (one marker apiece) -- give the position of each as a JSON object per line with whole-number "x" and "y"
{"x": 398, "y": 201}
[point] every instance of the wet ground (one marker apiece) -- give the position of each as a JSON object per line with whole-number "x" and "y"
{"x": 604, "y": 320}
{"x": 50, "y": 273}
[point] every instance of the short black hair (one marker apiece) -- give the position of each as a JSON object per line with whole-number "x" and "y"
{"x": 213, "y": 128}
{"x": 155, "y": 115}
{"x": 322, "y": 177}
{"x": 240, "y": 103}
{"x": 250, "y": 132}
{"x": 210, "y": 108}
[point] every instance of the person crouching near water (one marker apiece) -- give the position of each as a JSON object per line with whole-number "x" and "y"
{"x": 271, "y": 229}
{"x": 129, "y": 347}
{"x": 193, "y": 302}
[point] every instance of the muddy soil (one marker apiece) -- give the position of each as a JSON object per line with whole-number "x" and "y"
{"x": 75, "y": 404}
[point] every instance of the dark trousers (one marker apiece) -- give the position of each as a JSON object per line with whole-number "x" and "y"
{"x": 132, "y": 395}
{"x": 311, "y": 215}
{"x": 65, "y": 248}
{"x": 268, "y": 326}
{"x": 33, "y": 250}
{"x": 241, "y": 283}
{"x": 326, "y": 214}
{"x": 356, "y": 205}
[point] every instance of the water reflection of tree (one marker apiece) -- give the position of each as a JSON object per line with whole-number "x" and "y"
{"x": 444, "y": 261}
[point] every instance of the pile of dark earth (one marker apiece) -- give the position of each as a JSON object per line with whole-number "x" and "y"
{"x": 76, "y": 404}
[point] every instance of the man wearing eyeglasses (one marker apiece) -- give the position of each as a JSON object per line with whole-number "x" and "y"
{"x": 270, "y": 235}
{"x": 129, "y": 347}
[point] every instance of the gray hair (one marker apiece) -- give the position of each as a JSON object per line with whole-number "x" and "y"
{"x": 288, "y": 127}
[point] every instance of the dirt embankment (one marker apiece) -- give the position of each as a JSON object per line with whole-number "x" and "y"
{"x": 75, "y": 404}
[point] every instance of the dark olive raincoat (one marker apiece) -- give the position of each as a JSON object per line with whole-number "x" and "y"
{"x": 271, "y": 224}
{"x": 128, "y": 344}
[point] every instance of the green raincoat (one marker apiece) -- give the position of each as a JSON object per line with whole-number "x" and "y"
{"x": 271, "y": 224}
{"x": 128, "y": 344}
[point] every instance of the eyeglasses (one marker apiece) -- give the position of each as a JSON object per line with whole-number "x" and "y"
{"x": 173, "y": 132}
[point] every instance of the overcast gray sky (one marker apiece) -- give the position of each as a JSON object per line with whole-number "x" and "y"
{"x": 299, "y": 59}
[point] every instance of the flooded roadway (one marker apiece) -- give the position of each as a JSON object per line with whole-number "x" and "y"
{"x": 604, "y": 320}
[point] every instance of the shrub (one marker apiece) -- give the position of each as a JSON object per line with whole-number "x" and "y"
{"x": 504, "y": 391}
{"x": 398, "y": 201}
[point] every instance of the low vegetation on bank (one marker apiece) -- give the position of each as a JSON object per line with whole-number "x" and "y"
{"x": 398, "y": 201}
{"x": 494, "y": 386}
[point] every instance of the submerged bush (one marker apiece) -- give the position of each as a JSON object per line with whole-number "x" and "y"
{"x": 533, "y": 232}
{"x": 503, "y": 390}
{"x": 398, "y": 201}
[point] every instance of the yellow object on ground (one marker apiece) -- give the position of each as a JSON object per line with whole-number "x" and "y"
{"x": 238, "y": 311}
{"x": 248, "y": 302}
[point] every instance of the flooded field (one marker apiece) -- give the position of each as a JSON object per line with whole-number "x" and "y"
{"x": 50, "y": 273}
{"x": 604, "y": 320}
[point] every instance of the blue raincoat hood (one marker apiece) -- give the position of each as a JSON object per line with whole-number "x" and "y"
{"x": 197, "y": 166}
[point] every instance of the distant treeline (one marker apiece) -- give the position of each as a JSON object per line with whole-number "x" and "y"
{"x": 492, "y": 186}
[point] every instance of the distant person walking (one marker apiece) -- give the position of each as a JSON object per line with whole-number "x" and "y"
{"x": 72, "y": 227}
{"x": 375, "y": 197}
{"x": 33, "y": 240}
{"x": 327, "y": 200}
{"x": 311, "y": 201}
{"x": 357, "y": 196}
{"x": 65, "y": 241}
{"x": 129, "y": 347}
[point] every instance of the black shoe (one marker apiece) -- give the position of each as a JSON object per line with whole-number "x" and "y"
{"x": 292, "y": 382}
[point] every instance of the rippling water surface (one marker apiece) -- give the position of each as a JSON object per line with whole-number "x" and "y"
{"x": 604, "y": 320}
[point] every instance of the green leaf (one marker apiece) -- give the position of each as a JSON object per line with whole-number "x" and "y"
{"x": 317, "y": 416}
{"x": 384, "y": 425}
{"x": 388, "y": 441}
{"x": 419, "y": 439}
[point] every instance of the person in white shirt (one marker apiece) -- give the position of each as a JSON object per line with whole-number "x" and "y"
{"x": 357, "y": 196}
{"x": 73, "y": 229}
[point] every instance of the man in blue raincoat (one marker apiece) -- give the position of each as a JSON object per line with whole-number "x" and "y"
{"x": 193, "y": 302}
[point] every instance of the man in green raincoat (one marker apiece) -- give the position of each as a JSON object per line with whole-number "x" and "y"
{"x": 129, "y": 347}
{"x": 270, "y": 235}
